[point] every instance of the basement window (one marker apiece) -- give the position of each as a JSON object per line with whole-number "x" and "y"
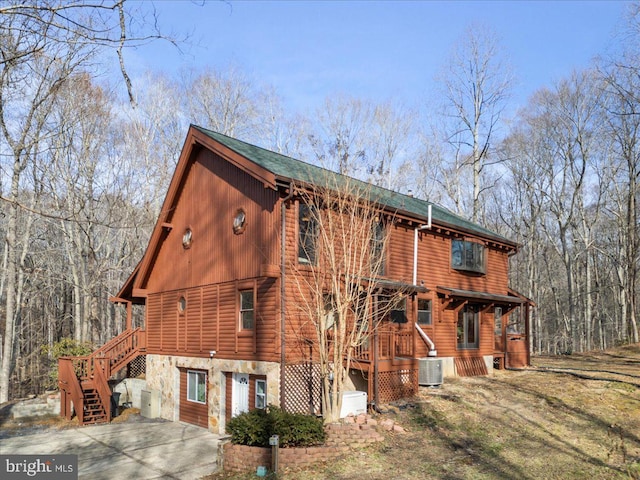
{"x": 261, "y": 394}
{"x": 196, "y": 386}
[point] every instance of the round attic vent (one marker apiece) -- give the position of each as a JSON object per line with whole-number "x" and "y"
{"x": 187, "y": 238}
{"x": 239, "y": 221}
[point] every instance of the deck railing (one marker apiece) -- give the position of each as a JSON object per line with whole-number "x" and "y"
{"x": 391, "y": 344}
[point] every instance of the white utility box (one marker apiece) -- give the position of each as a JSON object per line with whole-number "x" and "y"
{"x": 150, "y": 403}
{"x": 353, "y": 403}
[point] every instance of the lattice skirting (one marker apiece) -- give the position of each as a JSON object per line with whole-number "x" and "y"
{"x": 137, "y": 367}
{"x": 394, "y": 386}
{"x": 302, "y": 388}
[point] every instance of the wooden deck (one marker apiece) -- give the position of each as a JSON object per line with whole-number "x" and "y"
{"x": 389, "y": 362}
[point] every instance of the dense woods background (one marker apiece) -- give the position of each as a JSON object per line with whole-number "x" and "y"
{"x": 84, "y": 166}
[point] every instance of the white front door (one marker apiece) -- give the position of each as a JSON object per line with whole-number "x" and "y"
{"x": 240, "y": 394}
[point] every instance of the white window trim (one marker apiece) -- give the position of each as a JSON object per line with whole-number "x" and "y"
{"x": 264, "y": 395}
{"x": 197, "y": 373}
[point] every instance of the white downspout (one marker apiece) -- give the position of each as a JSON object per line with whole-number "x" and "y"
{"x": 432, "y": 347}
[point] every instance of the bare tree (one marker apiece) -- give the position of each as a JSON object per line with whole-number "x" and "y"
{"x": 390, "y": 140}
{"x": 363, "y": 139}
{"x": 42, "y": 44}
{"x": 621, "y": 102}
{"x": 339, "y": 141}
{"x": 476, "y": 84}
{"x": 229, "y": 102}
{"x": 342, "y": 299}
{"x": 28, "y": 86}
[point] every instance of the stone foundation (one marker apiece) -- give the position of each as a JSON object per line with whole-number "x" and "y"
{"x": 163, "y": 375}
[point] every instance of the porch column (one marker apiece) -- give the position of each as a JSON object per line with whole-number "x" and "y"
{"x": 374, "y": 356}
{"x": 129, "y": 315}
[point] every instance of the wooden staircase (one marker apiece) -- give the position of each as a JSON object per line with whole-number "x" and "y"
{"x": 83, "y": 381}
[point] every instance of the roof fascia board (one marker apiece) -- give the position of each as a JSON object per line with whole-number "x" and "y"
{"x": 261, "y": 174}
{"x": 159, "y": 232}
{"x": 482, "y": 296}
{"x": 413, "y": 218}
{"x": 194, "y": 140}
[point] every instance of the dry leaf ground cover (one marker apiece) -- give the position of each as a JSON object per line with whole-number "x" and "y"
{"x": 568, "y": 417}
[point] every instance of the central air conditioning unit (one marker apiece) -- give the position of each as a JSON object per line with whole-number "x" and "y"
{"x": 430, "y": 371}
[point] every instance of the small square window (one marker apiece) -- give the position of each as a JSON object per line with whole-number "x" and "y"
{"x": 424, "y": 311}
{"x": 246, "y": 310}
{"x": 469, "y": 256}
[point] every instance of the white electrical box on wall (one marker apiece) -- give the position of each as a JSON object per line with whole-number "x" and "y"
{"x": 150, "y": 403}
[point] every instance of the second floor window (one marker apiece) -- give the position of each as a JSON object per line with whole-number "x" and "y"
{"x": 246, "y": 310}
{"x": 377, "y": 248}
{"x": 469, "y": 256}
{"x": 330, "y": 313}
{"x": 307, "y": 234}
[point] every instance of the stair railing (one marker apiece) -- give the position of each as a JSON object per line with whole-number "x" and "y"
{"x": 119, "y": 349}
{"x": 68, "y": 381}
{"x": 101, "y": 371}
{"x": 98, "y": 368}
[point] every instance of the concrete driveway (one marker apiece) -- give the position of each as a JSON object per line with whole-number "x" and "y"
{"x": 137, "y": 449}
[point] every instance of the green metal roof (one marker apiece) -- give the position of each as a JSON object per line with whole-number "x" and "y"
{"x": 297, "y": 170}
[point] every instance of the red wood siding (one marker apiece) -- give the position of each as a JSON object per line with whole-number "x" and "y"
{"x": 212, "y": 192}
{"x": 210, "y": 322}
{"x": 192, "y": 412}
{"x": 228, "y": 404}
{"x": 434, "y": 269}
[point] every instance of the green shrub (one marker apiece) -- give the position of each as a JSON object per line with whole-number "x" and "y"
{"x": 65, "y": 347}
{"x": 254, "y": 428}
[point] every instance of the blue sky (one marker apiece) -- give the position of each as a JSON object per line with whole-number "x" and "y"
{"x": 379, "y": 50}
